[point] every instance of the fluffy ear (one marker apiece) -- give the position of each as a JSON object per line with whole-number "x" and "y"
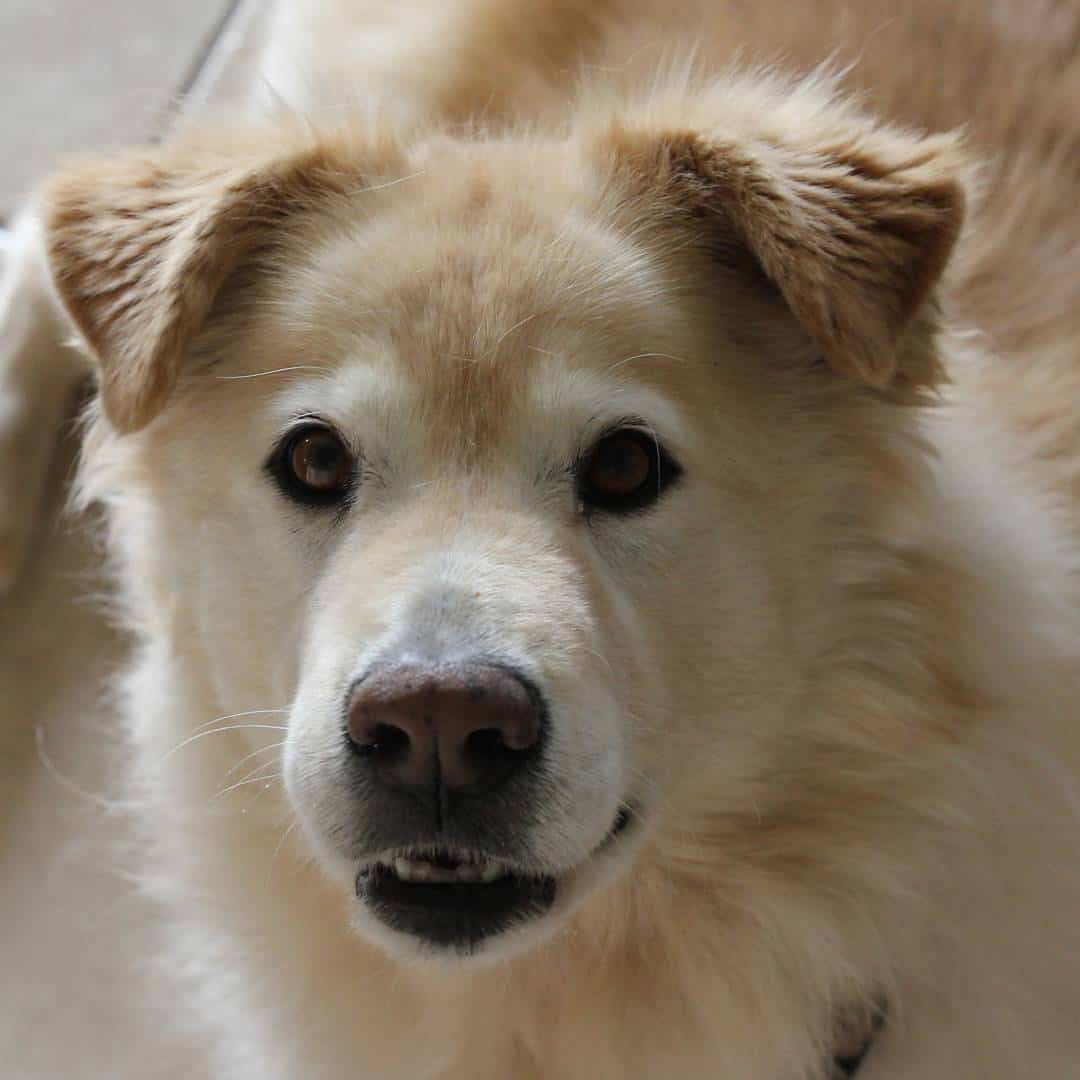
{"x": 852, "y": 223}
{"x": 140, "y": 246}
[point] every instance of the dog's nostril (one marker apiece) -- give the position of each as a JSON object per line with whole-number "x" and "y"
{"x": 492, "y": 744}
{"x": 381, "y": 739}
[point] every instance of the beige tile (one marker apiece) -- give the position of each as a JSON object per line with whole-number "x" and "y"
{"x": 229, "y": 71}
{"x": 89, "y": 74}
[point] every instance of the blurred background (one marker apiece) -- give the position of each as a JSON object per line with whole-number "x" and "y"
{"x": 77, "y": 76}
{"x": 79, "y": 997}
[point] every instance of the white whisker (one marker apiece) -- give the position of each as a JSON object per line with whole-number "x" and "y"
{"x": 604, "y": 660}
{"x": 274, "y": 371}
{"x": 254, "y": 778}
{"x": 254, "y": 753}
{"x": 644, "y": 356}
{"x": 219, "y": 731}
{"x": 386, "y": 183}
{"x": 237, "y": 716}
{"x": 281, "y": 842}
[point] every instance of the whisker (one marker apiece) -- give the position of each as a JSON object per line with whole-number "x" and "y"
{"x": 219, "y": 731}
{"x": 275, "y": 763}
{"x": 273, "y": 371}
{"x": 385, "y": 184}
{"x": 237, "y": 716}
{"x": 254, "y": 753}
{"x": 281, "y": 842}
{"x": 604, "y": 660}
{"x": 267, "y": 778}
{"x": 644, "y": 356}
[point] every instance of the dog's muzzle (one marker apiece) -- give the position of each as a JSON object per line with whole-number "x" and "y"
{"x": 450, "y": 760}
{"x": 444, "y": 748}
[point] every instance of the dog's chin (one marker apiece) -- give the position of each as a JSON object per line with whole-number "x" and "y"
{"x": 459, "y": 907}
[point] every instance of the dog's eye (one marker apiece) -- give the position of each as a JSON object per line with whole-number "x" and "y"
{"x": 313, "y": 465}
{"x": 626, "y": 470}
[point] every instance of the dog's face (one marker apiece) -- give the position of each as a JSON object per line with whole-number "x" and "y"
{"x": 516, "y": 545}
{"x": 506, "y": 465}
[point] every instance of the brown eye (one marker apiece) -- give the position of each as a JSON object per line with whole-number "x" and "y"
{"x": 626, "y": 470}
{"x": 313, "y": 465}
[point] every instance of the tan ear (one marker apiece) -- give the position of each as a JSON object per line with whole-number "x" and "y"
{"x": 141, "y": 245}
{"x": 853, "y": 226}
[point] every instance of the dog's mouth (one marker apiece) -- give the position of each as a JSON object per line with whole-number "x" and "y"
{"x": 452, "y": 899}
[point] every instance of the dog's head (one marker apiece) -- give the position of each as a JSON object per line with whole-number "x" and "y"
{"x": 538, "y": 475}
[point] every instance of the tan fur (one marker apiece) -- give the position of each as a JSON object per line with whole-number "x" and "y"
{"x": 841, "y": 658}
{"x": 140, "y": 248}
{"x": 855, "y": 235}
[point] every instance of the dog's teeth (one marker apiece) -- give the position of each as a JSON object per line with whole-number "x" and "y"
{"x": 421, "y": 870}
{"x": 413, "y": 869}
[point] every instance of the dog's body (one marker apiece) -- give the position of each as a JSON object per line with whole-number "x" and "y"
{"x": 833, "y": 669}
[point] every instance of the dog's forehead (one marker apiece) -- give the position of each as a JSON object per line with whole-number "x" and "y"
{"x": 457, "y": 256}
{"x": 479, "y": 291}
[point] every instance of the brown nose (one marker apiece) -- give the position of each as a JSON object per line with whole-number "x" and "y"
{"x": 449, "y": 726}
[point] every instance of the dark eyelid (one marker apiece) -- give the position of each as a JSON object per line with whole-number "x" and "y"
{"x": 668, "y": 468}
{"x": 303, "y": 420}
{"x": 625, "y": 423}
{"x": 275, "y": 466}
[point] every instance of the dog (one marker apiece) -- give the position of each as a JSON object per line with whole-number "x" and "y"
{"x": 595, "y": 486}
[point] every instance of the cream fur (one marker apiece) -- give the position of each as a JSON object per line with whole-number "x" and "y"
{"x": 838, "y": 665}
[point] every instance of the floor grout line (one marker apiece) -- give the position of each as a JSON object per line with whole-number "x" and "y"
{"x": 220, "y": 43}
{"x": 236, "y": 33}
{"x": 229, "y": 32}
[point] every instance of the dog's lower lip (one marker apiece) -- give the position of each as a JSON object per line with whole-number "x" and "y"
{"x": 455, "y": 899}
{"x": 448, "y": 913}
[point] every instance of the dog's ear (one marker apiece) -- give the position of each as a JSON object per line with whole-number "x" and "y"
{"x": 139, "y": 247}
{"x": 852, "y": 223}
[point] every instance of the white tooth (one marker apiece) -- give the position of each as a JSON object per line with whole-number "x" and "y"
{"x": 411, "y": 869}
{"x": 419, "y": 869}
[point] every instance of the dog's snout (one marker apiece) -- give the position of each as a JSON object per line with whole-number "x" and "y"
{"x": 445, "y": 727}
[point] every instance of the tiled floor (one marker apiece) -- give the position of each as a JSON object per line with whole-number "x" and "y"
{"x": 95, "y": 74}
{"x": 79, "y": 998}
